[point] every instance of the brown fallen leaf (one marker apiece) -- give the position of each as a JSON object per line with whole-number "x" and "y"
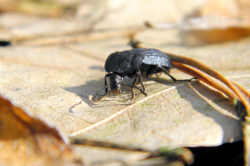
{"x": 30, "y": 141}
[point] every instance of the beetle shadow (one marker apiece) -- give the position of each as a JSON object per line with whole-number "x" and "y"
{"x": 198, "y": 90}
{"x": 90, "y": 88}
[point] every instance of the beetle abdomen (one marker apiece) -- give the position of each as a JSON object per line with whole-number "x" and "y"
{"x": 156, "y": 57}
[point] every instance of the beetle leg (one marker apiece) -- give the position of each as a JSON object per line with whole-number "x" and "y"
{"x": 105, "y": 83}
{"x": 139, "y": 77}
{"x": 174, "y": 79}
{"x": 96, "y": 95}
{"x": 131, "y": 87}
{"x": 105, "y": 87}
{"x": 136, "y": 79}
{"x": 154, "y": 71}
{"x": 132, "y": 93}
{"x": 142, "y": 91}
{"x": 167, "y": 72}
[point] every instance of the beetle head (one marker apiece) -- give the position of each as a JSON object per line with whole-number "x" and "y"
{"x": 115, "y": 84}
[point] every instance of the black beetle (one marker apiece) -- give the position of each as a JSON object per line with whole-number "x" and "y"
{"x": 133, "y": 63}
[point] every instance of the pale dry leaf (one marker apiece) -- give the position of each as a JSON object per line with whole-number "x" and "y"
{"x": 179, "y": 116}
{"x": 56, "y": 82}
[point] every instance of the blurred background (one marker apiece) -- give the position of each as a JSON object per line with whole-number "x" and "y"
{"x": 175, "y": 22}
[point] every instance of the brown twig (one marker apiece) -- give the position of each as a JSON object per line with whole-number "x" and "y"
{"x": 205, "y": 78}
{"x": 208, "y": 70}
{"x": 240, "y": 88}
{"x": 240, "y": 93}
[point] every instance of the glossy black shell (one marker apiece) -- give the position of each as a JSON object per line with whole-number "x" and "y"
{"x": 130, "y": 60}
{"x": 156, "y": 57}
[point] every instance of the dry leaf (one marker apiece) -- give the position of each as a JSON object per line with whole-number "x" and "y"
{"x": 55, "y": 82}
{"x": 29, "y": 141}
